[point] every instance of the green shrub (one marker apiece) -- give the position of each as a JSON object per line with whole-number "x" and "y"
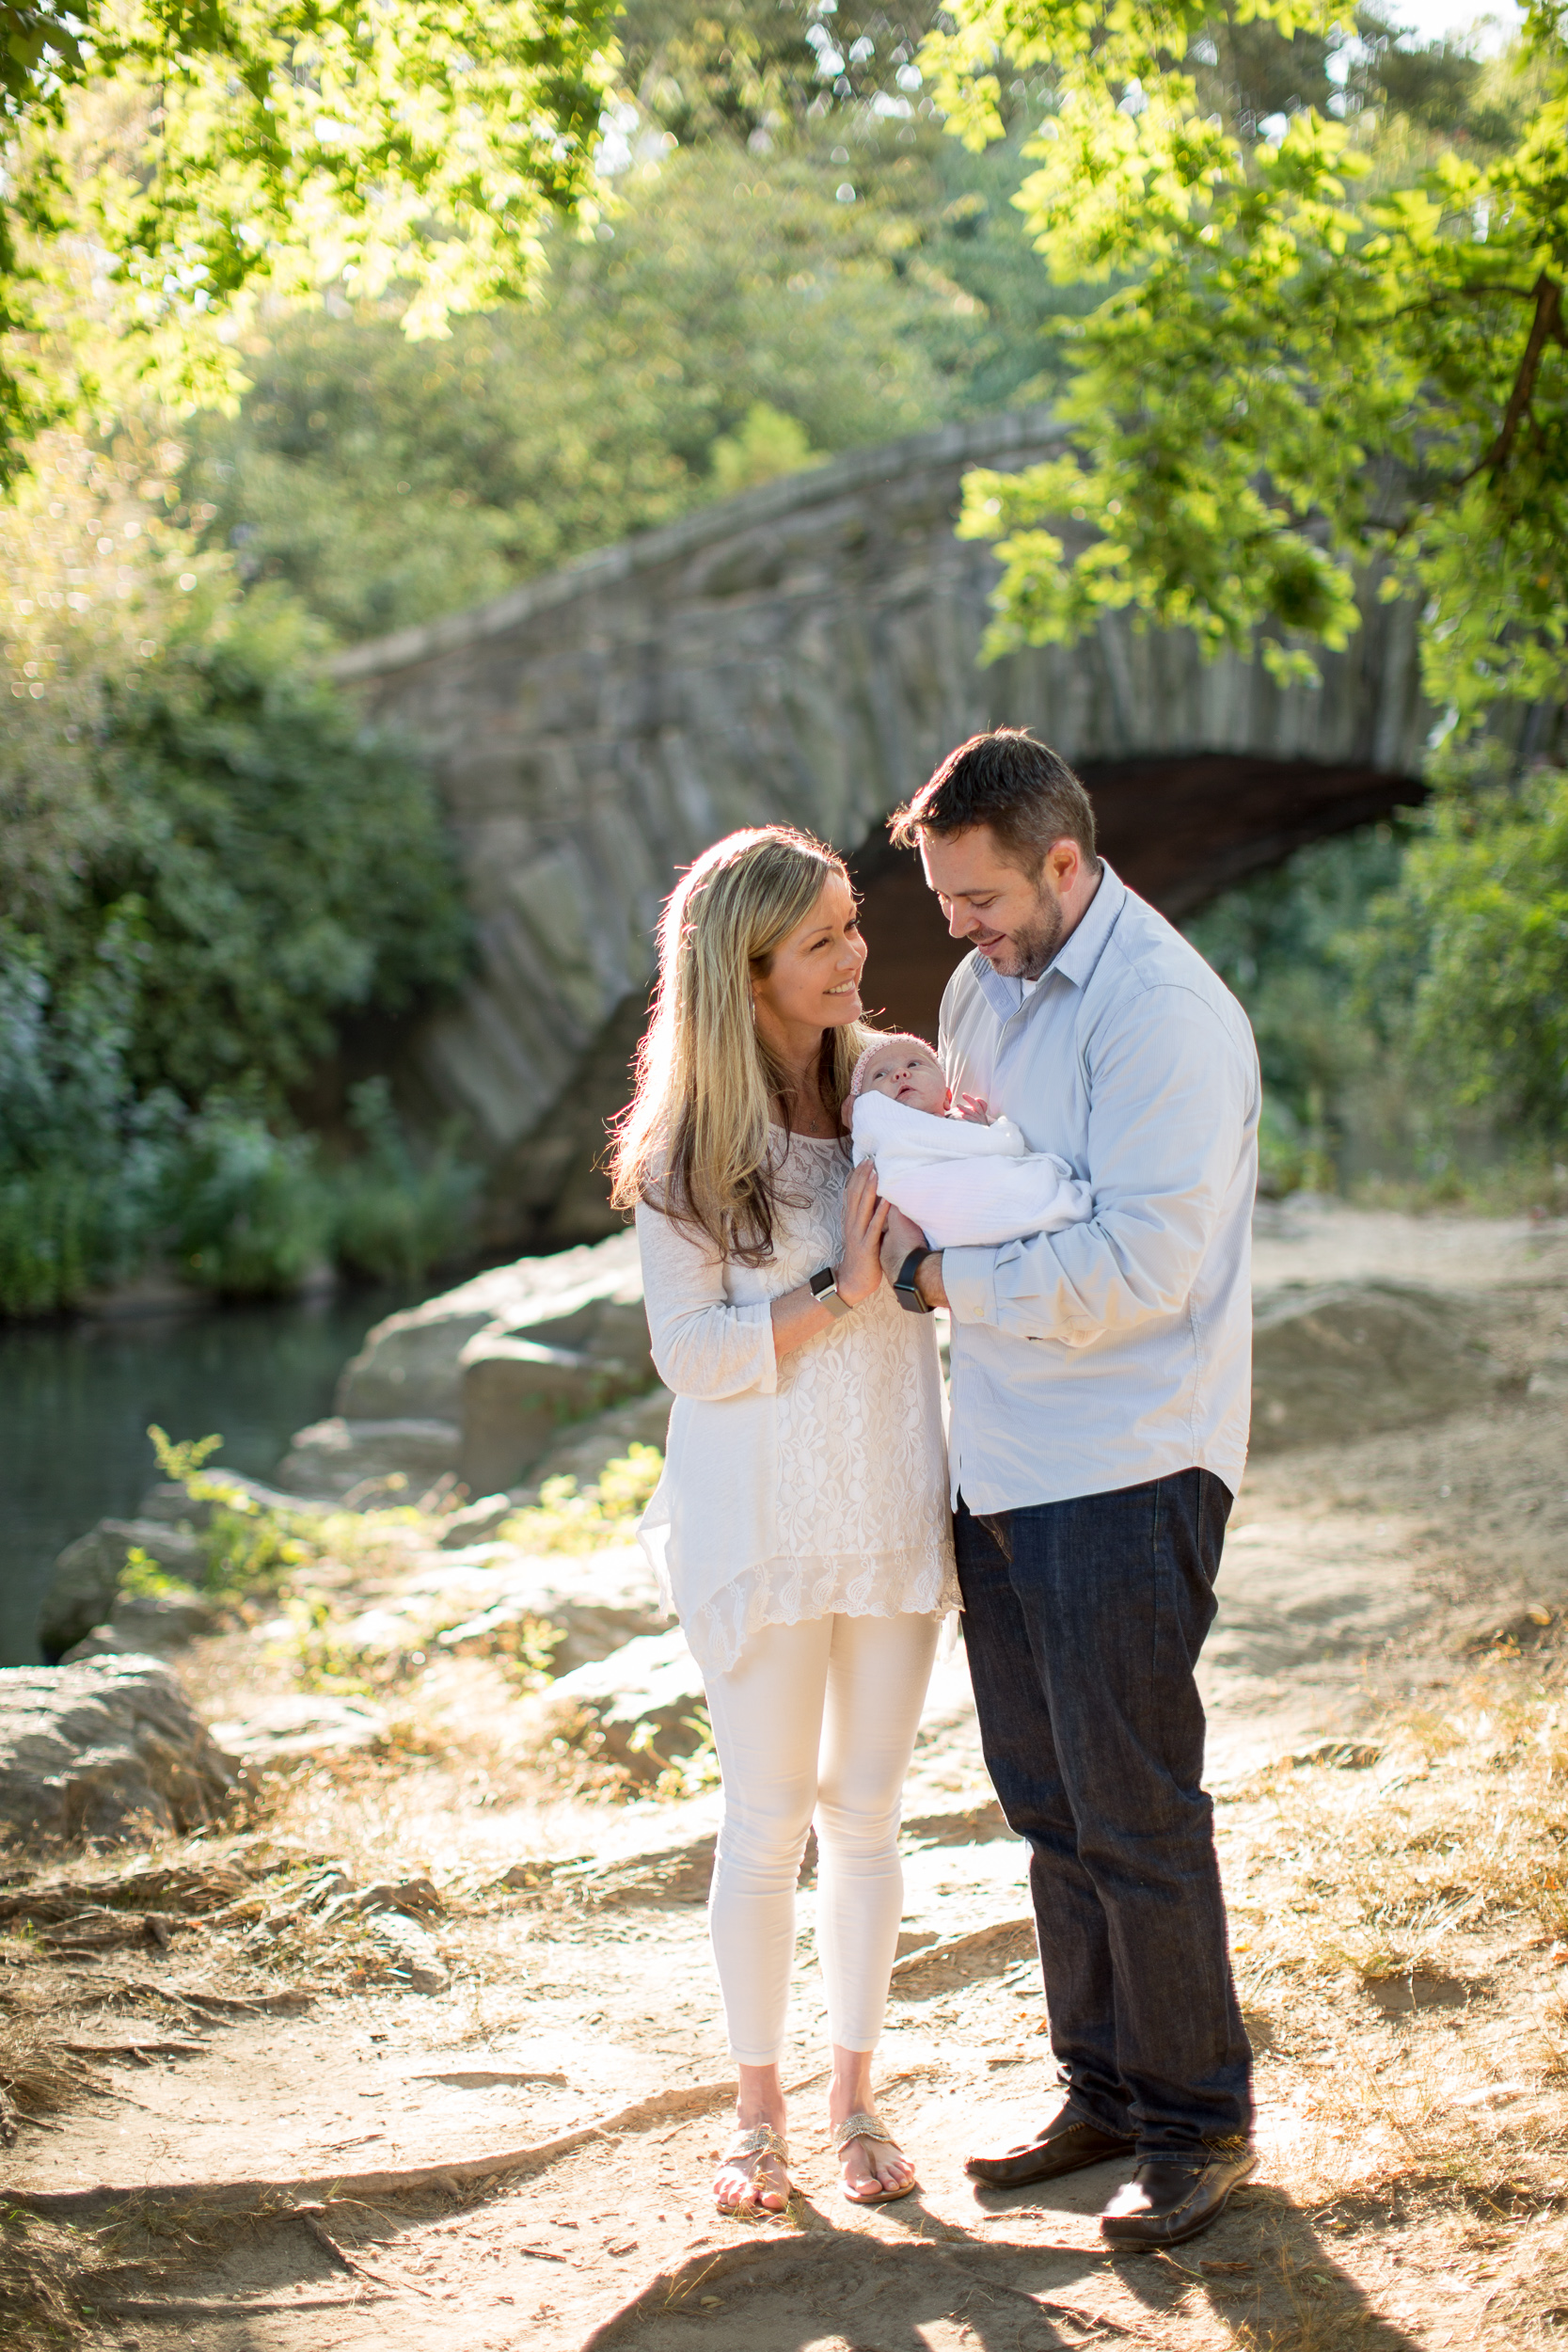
{"x": 394, "y": 1217}
{"x": 280, "y": 864}
{"x": 1473, "y": 943}
{"x": 1283, "y": 942}
{"x": 207, "y": 864}
{"x": 58, "y": 1231}
{"x": 250, "y": 1215}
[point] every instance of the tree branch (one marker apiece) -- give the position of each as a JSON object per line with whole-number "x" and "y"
{"x": 1546, "y": 327}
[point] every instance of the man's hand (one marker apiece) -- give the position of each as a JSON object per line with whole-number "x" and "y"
{"x": 899, "y": 1236}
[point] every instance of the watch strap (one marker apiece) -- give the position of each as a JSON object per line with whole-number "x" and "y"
{"x": 904, "y": 1282}
{"x": 823, "y": 1286}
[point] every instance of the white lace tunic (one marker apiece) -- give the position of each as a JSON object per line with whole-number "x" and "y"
{"x": 799, "y": 1488}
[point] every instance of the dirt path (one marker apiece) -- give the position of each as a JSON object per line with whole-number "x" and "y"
{"x": 519, "y": 2157}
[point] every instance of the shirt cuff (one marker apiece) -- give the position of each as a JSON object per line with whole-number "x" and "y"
{"x": 968, "y": 1278}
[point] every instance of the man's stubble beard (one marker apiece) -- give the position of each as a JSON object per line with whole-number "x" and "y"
{"x": 1029, "y": 950}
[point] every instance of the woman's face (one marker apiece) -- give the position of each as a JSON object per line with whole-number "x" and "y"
{"x": 814, "y": 982}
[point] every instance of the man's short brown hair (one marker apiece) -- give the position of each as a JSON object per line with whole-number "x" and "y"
{"x": 1023, "y": 790}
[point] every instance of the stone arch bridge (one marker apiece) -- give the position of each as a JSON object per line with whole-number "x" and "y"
{"x": 806, "y": 652}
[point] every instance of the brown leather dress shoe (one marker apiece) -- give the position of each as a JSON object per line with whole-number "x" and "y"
{"x": 1066, "y": 2144}
{"x": 1163, "y": 2203}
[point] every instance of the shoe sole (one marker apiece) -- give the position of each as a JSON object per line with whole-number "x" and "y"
{"x": 1054, "y": 2171}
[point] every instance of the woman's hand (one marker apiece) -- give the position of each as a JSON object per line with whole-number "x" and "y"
{"x": 860, "y": 1269}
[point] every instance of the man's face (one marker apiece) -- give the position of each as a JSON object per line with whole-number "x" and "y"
{"x": 909, "y": 1075}
{"x": 1016, "y": 920}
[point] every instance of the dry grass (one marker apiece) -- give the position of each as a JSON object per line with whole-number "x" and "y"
{"x": 41, "y": 2282}
{"x": 1402, "y": 1950}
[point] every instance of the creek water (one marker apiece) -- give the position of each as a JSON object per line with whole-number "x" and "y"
{"x": 76, "y": 1398}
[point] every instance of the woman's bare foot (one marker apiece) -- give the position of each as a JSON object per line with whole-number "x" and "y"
{"x": 755, "y": 2182}
{"x": 872, "y": 2168}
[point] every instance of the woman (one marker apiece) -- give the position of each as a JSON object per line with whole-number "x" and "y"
{"x": 801, "y": 1529}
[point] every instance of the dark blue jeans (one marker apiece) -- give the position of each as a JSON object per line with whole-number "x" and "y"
{"x": 1083, "y": 1621}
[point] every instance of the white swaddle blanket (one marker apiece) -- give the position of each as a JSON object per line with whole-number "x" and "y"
{"x": 965, "y": 1185}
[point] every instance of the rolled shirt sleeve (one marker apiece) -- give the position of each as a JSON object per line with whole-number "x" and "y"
{"x": 705, "y": 1344}
{"x": 1170, "y": 1095}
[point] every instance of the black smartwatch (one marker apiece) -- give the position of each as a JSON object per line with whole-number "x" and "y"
{"x": 904, "y": 1289}
{"x": 823, "y": 1287}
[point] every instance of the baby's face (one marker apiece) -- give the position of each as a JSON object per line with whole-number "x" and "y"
{"x": 909, "y": 1075}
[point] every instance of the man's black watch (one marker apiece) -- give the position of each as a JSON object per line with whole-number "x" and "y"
{"x": 904, "y": 1289}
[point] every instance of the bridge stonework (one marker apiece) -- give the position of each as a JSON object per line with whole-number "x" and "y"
{"x": 807, "y": 652}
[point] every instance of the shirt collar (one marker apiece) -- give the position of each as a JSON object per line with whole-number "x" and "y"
{"x": 1075, "y": 958}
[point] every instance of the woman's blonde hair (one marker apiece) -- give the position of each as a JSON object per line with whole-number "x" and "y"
{"x": 695, "y": 1137}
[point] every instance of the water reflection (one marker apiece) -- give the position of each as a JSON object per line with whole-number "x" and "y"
{"x": 75, "y": 1400}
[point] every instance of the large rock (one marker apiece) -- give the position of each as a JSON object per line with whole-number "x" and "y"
{"x": 146, "y": 1624}
{"x": 587, "y": 1300}
{"x": 583, "y": 1450}
{"x": 370, "y": 1461}
{"x": 1336, "y": 1362}
{"x": 644, "y": 1698}
{"x": 106, "y": 1749}
{"x": 516, "y": 1395}
{"x": 85, "y": 1584}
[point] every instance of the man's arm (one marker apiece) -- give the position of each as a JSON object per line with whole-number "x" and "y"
{"x": 1173, "y": 1089}
{"x": 900, "y": 1235}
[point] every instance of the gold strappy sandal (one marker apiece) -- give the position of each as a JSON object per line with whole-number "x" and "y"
{"x": 866, "y": 2126}
{"x": 763, "y": 2140}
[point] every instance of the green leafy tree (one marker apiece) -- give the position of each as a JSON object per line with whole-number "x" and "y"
{"x": 747, "y": 73}
{"x": 387, "y": 482}
{"x": 283, "y": 867}
{"x": 1471, "y": 947}
{"x": 206, "y": 150}
{"x": 207, "y": 867}
{"x": 1283, "y": 941}
{"x": 1330, "y": 348}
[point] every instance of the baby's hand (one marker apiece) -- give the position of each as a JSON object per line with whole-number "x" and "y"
{"x": 976, "y": 1108}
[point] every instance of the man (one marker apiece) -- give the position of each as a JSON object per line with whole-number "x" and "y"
{"x": 1101, "y": 1386}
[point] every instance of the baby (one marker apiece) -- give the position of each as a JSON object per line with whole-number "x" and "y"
{"x": 965, "y": 1179}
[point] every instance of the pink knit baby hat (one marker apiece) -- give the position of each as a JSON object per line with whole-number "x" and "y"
{"x": 878, "y": 1045}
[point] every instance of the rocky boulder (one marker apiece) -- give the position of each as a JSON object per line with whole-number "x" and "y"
{"x": 1337, "y": 1361}
{"x": 145, "y": 1624}
{"x": 582, "y": 1451}
{"x": 516, "y": 1394}
{"x": 543, "y": 1341}
{"x": 85, "y": 1584}
{"x": 109, "y": 1748}
{"x": 370, "y": 1461}
{"x": 644, "y": 1698}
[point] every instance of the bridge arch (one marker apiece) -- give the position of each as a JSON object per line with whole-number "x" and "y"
{"x": 806, "y": 652}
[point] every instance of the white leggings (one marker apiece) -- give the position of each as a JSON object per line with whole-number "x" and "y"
{"x": 815, "y": 1718}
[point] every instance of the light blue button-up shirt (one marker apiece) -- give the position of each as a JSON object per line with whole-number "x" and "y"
{"x": 1120, "y": 1350}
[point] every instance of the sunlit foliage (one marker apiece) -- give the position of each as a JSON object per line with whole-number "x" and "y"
{"x": 1339, "y": 337}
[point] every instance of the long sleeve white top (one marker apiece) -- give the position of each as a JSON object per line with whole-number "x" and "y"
{"x": 802, "y": 1487}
